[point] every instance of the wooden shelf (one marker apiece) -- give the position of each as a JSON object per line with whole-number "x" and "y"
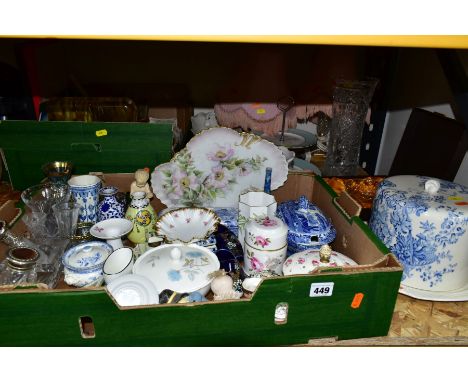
{"x": 421, "y": 41}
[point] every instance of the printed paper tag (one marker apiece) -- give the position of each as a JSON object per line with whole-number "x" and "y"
{"x": 261, "y": 111}
{"x": 101, "y": 133}
{"x": 321, "y": 289}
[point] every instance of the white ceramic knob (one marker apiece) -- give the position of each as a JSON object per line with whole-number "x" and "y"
{"x": 176, "y": 256}
{"x": 432, "y": 186}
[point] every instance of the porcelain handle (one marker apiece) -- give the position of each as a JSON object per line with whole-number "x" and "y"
{"x": 432, "y": 186}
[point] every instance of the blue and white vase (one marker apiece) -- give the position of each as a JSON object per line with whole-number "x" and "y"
{"x": 110, "y": 207}
{"x": 308, "y": 227}
{"x": 424, "y": 222}
{"x": 85, "y": 191}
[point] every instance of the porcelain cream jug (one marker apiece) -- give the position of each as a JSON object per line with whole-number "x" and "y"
{"x": 424, "y": 222}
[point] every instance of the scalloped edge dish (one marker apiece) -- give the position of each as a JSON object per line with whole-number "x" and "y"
{"x": 186, "y": 225}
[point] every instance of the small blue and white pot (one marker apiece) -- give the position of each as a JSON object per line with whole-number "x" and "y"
{"x": 110, "y": 207}
{"x": 83, "y": 263}
{"x": 85, "y": 191}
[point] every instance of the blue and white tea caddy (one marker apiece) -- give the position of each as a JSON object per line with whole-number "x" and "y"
{"x": 308, "y": 227}
{"x": 424, "y": 222}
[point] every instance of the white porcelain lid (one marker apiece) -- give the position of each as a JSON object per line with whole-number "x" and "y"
{"x": 302, "y": 263}
{"x": 431, "y": 192}
{"x": 267, "y": 225}
{"x": 178, "y": 267}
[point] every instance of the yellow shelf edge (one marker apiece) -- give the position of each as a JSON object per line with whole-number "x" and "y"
{"x": 421, "y": 41}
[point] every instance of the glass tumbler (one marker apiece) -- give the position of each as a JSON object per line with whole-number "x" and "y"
{"x": 66, "y": 214}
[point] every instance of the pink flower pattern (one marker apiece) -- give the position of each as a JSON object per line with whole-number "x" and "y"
{"x": 256, "y": 264}
{"x": 262, "y": 241}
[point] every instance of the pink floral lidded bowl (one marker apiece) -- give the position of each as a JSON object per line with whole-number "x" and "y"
{"x": 265, "y": 245}
{"x": 304, "y": 262}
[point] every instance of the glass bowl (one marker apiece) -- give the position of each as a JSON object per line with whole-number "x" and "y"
{"x": 42, "y": 197}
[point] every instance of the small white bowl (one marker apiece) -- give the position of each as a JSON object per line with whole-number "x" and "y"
{"x": 119, "y": 263}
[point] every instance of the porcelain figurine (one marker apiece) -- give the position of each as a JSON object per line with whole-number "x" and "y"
{"x": 110, "y": 207}
{"x": 142, "y": 214}
{"x": 424, "y": 222}
{"x": 308, "y": 227}
{"x": 141, "y": 183}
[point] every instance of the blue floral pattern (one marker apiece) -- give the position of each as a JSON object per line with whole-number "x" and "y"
{"x": 308, "y": 227}
{"x": 400, "y": 220}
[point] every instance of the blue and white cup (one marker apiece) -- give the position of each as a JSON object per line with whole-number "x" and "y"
{"x": 85, "y": 191}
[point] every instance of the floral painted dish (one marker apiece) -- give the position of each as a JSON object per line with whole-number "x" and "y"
{"x": 178, "y": 267}
{"x": 305, "y": 262}
{"x": 216, "y": 166}
{"x": 133, "y": 290}
{"x": 186, "y": 225}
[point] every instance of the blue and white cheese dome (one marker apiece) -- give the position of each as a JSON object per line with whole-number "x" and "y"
{"x": 424, "y": 222}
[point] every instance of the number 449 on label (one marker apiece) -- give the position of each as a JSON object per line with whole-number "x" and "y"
{"x": 321, "y": 289}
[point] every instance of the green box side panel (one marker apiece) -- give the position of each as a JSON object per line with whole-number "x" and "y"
{"x": 125, "y": 147}
{"x": 52, "y": 319}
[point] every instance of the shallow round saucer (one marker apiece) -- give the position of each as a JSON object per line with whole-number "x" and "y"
{"x": 111, "y": 228}
{"x": 133, "y": 290}
{"x": 454, "y": 295}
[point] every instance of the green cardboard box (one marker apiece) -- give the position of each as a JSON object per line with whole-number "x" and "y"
{"x": 361, "y": 304}
{"x": 96, "y": 146}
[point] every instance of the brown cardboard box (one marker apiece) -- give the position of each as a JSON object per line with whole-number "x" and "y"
{"x": 361, "y": 305}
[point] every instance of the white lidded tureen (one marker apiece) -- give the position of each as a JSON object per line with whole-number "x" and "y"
{"x": 424, "y": 222}
{"x": 183, "y": 268}
{"x": 305, "y": 262}
{"x": 308, "y": 227}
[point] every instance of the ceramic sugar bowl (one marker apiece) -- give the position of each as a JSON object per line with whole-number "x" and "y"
{"x": 304, "y": 262}
{"x": 265, "y": 245}
{"x": 83, "y": 263}
{"x": 424, "y": 222}
{"x": 308, "y": 227}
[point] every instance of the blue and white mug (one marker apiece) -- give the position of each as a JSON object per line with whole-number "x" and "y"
{"x": 85, "y": 191}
